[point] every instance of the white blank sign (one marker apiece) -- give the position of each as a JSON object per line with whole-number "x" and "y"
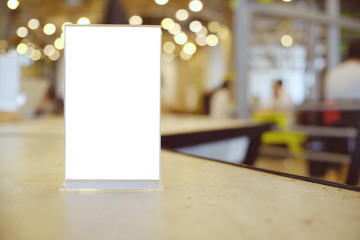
{"x": 112, "y": 107}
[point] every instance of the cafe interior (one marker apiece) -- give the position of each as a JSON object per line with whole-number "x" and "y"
{"x": 245, "y": 86}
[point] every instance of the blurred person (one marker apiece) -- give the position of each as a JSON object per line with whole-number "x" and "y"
{"x": 282, "y": 100}
{"x": 220, "y": 102}
{"x": 342, "y": 85}
{"x": 343, "y": 81}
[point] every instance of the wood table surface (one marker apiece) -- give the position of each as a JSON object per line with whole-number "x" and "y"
{"x": 200, "y": 199}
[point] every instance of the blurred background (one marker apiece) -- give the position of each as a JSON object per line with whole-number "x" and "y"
{"x": 221, "y": 58}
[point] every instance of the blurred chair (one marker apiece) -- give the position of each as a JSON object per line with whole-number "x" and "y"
{"x": 281, "y": 133}
{"x": 333, "y": 137}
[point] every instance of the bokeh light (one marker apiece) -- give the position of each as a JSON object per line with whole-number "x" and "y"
{"x": 167, "y": 23}
{"x": 201, "y": 40}
{"x": 175, "y": 29}
{"x": 161, "y": 2}
{"x": 286, "y": 40}
{"x": 13, "y": 4}
{"x": 21, "y": 48}
{"x": 49, "y": 50}
{"x": 223, "y": 32}
{"x": 203, "y": 31}
{"x": 180, "y": 38}
{"x": 213, "y": 26}
{"x": 184, "y": 56}
{"x": 33, "y": 24}
{"x": 83, "y": 20}
{"x": 169, "y": 47}
{"x": 196, "y": 5}
{"x": 54, "y": 56}
{"x": 212, "y": 40}
{"x": 59, "y": 43}
{"x": 182, "y": 14}
{"x": 49, "y": 29}
{"x": 189, "y": 48}
{"x": 22, "y": 32}
{"x": 135, "y": 20}
{"x": 63, "y": 25}
{"x": 35, "y": 55}
{"x": 195, "y": 26}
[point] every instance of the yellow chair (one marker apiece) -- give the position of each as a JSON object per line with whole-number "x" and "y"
{"x": 283, "y": 134}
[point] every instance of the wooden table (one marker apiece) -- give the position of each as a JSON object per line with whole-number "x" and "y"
{"x": 188, "y": 130}
{"x": 200, "y": 199}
